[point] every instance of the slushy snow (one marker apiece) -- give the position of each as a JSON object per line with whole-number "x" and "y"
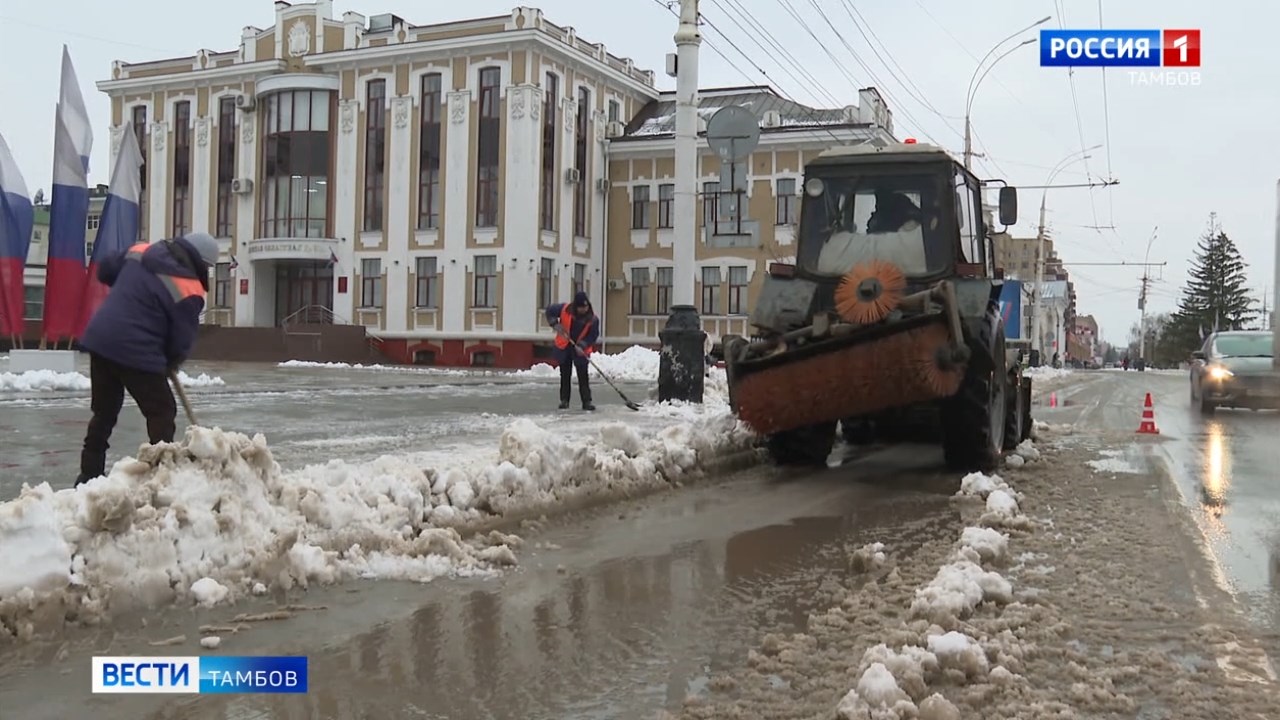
{"x": 635, "y": 364}
{"x": 48, "y": 380}
{"x": 213, "y": 518}
{"x": 291, "y": 364}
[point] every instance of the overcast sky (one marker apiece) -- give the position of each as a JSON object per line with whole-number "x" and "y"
{"x": 1178, "y": 152}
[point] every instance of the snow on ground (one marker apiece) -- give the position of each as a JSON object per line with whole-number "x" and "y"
{"x": 48, "y": 380}
{"x": 635, "y": 364}
{"x": 949, "y": 631}
{"x": 1046, "y": 372}
{"x": 454, "y": 372}
{"x": 213, "y": 518}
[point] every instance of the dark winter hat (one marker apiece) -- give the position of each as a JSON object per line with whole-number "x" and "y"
{"x": 205, "y": 245}
{"x": 581, "y": 300}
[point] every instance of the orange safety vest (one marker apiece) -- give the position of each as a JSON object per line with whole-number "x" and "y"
{"x": 180, "y": 288}
{"x": 566, "y": 322}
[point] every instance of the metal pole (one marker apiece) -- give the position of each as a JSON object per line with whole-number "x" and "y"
{"x": 684, "y": 251}
{"x": 1037, "y": 341}
{"x": 682, "y": 367}
{"x": 968, "y": 142}
{"x": 1275, "y": 336}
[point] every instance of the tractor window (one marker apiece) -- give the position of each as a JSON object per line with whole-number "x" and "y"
{"x": 894, "y": 218}
{"x": 967, "y": 219}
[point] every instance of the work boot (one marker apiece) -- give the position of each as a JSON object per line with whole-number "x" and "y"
{"x": 564, "y": 404}
{"x": 588, "y": 406}
{"x": 82, "y": 479}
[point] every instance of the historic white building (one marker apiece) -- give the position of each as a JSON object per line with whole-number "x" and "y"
{"x": 436, "y": 184}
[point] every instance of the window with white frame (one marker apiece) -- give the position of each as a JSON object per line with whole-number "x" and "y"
{"x": 640, "y": 207}
{"x": 738, "y": 281}
{"x": 486, "y": 282}
{"x": 428, "y": 282}
{"x": 787, "y": 202}
{"x": 222, "y": 285}
{"x": 710, "y": 291}
{"x": 371, "y": 283}
{"x": 666, "y": 279}
{"x": 546, "y": 280}
{"x": 666, "y": 205}
{"x": 579, "y": 278}
{"x": 639, "y": 290}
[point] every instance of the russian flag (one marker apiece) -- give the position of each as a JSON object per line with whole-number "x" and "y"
{"x": 69, "y": 208}
{"x": 120, "y": 225}
{"x": 16, "y": 220}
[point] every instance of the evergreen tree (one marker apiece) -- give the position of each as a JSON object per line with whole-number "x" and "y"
{"x": 1216, "y": 296}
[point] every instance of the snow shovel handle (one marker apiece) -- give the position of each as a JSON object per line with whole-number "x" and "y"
{"x": 565, "y": 334}
{"x": 182, "y": 395}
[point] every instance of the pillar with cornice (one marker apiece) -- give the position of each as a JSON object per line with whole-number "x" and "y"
{"x": 568, "y": 157}
{"x": 457, "y": 192}
{"x": 399, "y": 182}
{"x": 202, "y": 180}
{"x": 158, "y": 182}
{"x": 343, "y": 208}
{"x": 521, "y": 229}
{"x": 247, "y": 305}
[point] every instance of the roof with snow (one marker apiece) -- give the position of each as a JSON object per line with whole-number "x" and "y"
{"x": 658, "y": 118}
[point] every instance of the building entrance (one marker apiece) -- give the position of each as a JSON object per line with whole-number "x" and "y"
{"x": 302, "y": 284}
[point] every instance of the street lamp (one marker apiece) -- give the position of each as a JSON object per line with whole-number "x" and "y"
{"x": 1036, "y": 338}
{"x": 975, "y": 81}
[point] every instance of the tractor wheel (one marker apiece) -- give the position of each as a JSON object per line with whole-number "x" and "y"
{"x": 810, "y": 445}
{"x": 973, "y": 420}
{"x": 1015, "y": 415}
{"x": 1024, "y": 389}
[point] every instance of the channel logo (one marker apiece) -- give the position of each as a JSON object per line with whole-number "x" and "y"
{"x": 1120, "y": 48}
{"x": 200, "y": 675}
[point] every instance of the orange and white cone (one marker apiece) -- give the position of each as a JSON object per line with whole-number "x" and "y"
{"x": 1148, "y": 426}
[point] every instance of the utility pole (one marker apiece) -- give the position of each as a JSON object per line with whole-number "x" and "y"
{"x": 1275, "y": 337}
{"x": 681, "y": 369}
{"x": 1142, "y": 321}
{"x": 1037, "y": 341}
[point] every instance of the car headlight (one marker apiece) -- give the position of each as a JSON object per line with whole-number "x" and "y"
{"x": 1219, "y": 373}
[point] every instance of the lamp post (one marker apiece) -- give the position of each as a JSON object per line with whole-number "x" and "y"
{"x": 1036, "y": 338}
{"x": 975, "y": 81}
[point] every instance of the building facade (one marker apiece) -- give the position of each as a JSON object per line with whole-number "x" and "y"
{"x": 436, "y": 184}
{"x": 33, "y": 272}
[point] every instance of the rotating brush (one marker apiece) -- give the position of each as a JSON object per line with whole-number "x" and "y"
{"x": 869, "y": 292}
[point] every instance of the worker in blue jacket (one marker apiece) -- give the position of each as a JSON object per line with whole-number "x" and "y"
{"x": 144, "y": 330}
{"x": 577, "y": 331}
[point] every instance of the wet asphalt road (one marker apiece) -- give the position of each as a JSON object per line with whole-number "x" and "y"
{"x": 622, "y": 612}
{"x": 308, "y": 415}
{"x": 1226, "y": 466}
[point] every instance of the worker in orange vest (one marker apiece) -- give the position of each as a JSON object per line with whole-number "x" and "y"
{"x": 577, "y": 331}
{"x": 144, "y": 329}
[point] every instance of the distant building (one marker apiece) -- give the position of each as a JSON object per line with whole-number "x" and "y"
{"x": 439, "y": 184}
{"x": 38, "y": 255}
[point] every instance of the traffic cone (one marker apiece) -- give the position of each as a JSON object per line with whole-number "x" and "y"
{"x": 1148, "y": 426}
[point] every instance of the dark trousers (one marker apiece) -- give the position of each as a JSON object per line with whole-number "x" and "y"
{"x": 569, "y": 360}
{"x": 109, "y": 382}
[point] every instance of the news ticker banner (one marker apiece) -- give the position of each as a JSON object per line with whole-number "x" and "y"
{"x": 200, "y": 675}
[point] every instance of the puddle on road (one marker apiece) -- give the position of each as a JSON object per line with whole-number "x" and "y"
{"x": 626, "y": 636}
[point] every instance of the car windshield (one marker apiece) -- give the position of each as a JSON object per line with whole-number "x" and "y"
{"x": 894, "y": 218}
{"x": 1251, "y": 345}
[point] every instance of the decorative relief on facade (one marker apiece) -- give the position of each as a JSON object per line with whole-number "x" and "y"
{"x": 569, "y": 108}
{"x": 535, "y": 108}
{"x": 516, "y": 96}
{"x": 458, "y": 106}
{"x": 202, "y": 131}
{"x": 599, "y": 118}
{"x": 246, "y": 131}
{"x": 158, "y": 132}
{"x": 117, "y": 136}
{"x": 299, "y": 39}
{"x": 400, "y": 107}
{"x": 347, "y": 116}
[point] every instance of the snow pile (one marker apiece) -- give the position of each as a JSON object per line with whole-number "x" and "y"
{"x": 201, "y": 380}
{"x": 377, "y": 368}
{"x": 1027, "y": 451}
{"x": 48, "y": 380}
{"x": 42, "y": 380}
{"x": 635, "y": 364}
{"x": 1046, "y": 372}
{"x": 891, "y": 682}
{"x": 868, "y": 557}
{"x": 213, "y": 518}
{"x": 1112, "y": 463}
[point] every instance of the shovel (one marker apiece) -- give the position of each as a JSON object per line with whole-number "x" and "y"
{"x": 561, "y": 332}
{"x": 182, "y": 395}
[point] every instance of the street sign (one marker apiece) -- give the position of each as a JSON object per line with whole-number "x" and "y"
{"x": 733, "y": 132}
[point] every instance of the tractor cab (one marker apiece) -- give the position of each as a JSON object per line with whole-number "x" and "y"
{"x": 907, "y": 204}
